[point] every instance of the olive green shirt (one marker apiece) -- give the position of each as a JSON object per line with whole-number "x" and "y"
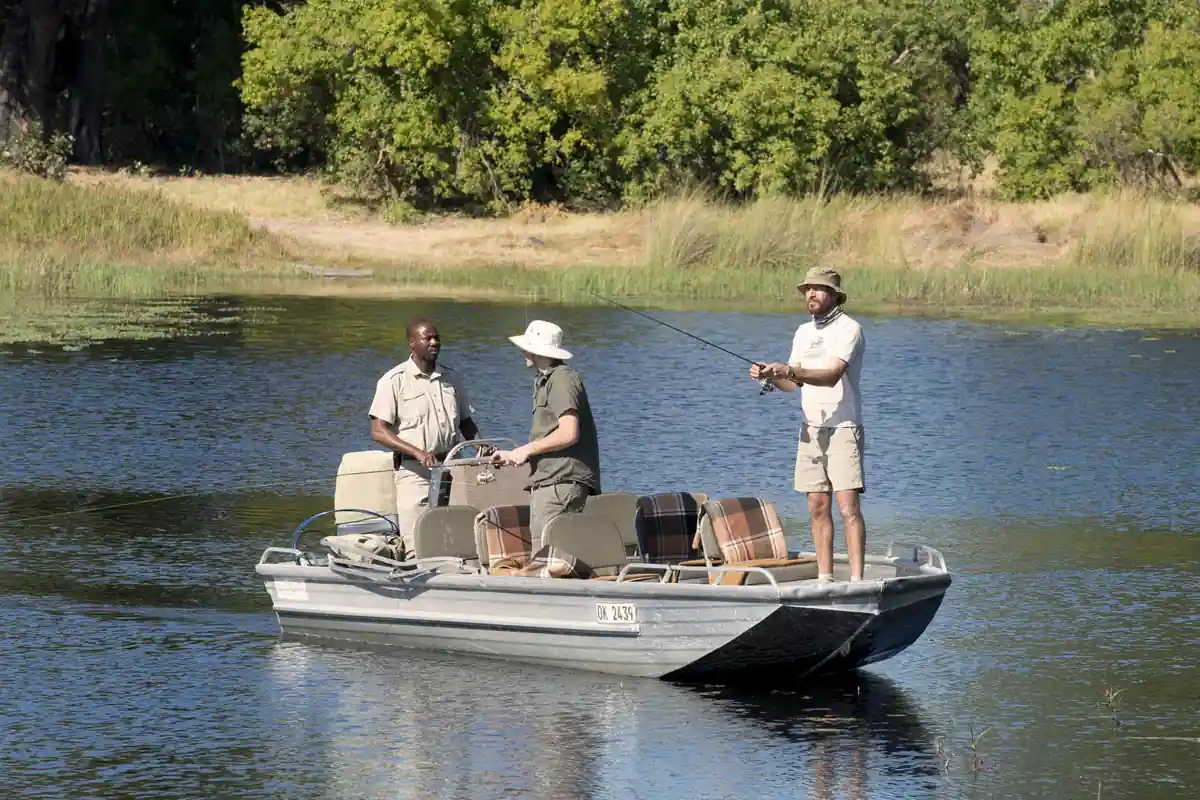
{"x": 556, "y": 392}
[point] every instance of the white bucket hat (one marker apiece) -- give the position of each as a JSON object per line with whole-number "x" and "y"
{"x": 542, "y": 339}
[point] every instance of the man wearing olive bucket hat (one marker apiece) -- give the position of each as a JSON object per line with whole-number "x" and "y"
{"x": 563, "y": 451}
{"x": 826, "y": 359}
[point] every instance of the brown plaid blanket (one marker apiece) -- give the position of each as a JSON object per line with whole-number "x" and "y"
{"x": 506, "y": 532}
{"x": 666, "y": 525}
{"x": 547, "y": 562}
{"x": 746, "y": 529}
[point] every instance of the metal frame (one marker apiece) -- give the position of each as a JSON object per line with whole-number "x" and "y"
{"x": 300, "y": 528}
{"x": 477, "y": 444}
{"x": 668, "y": 569}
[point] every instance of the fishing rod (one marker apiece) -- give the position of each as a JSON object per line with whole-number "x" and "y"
{"x": 765, "y": 383}
{"x": 245, "y": 487}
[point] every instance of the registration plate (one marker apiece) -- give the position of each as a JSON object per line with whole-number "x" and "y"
{"x": 621, "y": 613}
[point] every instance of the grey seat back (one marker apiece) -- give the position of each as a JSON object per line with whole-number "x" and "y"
{"x": 592, "y": 539}
{"x": 620, "y": 508}
{"x": 448, "y": 531}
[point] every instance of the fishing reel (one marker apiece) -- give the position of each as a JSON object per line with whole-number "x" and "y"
{"x": 765, "y": 386}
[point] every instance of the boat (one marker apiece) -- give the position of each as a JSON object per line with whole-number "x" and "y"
{"x": 674, "y": 585}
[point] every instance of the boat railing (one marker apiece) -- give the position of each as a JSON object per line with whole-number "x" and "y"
{"x": 933, "y": 557}
{"x": 296, "y": 534}
{"x": 390, "y": 571}
{"x": 705, "y": 569}
{"x": 293, "y": 554}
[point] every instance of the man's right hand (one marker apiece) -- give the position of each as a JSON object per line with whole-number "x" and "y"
{"x": 428, "y": 460}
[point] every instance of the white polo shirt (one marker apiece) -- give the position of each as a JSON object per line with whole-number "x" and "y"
{"x": 838, "y": 405}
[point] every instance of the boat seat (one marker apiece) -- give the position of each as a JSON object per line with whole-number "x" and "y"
{"x": 364, "y": 480}
{"x": 502, "y": 536}
{"x": 746, "y": 531}
{"x": 593, "y": 541}
{"x": 666, "y": 525}
{"x": 446, "y": 531}
{"x": 620, "y": 507}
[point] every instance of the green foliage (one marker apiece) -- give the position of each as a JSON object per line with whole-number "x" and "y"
{"x": 491, "y": 102}
{"x": 1141, "y": 119}
{"x": 29, "y": 151}
{"x": 1073, "y": 94}
{"x": 169, "y": 94}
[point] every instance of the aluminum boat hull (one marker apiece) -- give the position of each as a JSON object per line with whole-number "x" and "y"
{"x": 676, "y": 631}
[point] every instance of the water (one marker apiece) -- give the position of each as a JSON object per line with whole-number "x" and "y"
{"x": 1055, "y": 468}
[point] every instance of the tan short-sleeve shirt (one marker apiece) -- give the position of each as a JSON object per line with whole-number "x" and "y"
{"x": 422, "y": 410}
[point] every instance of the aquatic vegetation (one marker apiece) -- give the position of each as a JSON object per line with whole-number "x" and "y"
{"x": 1110, "y": 700}
{"x": 75, "y": 324}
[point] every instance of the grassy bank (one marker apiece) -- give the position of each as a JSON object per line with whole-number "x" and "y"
{"x": 1121, "y": 257}
{"x": 60, "y": 239}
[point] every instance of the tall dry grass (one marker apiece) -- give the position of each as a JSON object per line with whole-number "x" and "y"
{"x": 1111, "y": 254}
{"x": 61, "y": 238}
{"x": 1095, "y": 251}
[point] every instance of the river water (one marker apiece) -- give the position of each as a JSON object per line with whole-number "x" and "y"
{"x": 1055, "y": 468}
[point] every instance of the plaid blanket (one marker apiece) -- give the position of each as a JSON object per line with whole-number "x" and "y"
{"x": 666, "y": 525}
{"x": 547, "y": 562}
{"x": 505, "y": 529}
{"x": 746, "y": 528}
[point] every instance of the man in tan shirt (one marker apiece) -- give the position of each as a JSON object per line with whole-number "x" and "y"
{"x": 418, "y": 413}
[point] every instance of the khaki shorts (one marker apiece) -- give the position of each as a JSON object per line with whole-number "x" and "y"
{"x": 830, "y": 459}
{"x": 548, "y": 502}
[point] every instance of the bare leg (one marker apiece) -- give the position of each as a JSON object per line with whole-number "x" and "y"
{"x": 855, "y": 528}
{"x": 820, "y": 509}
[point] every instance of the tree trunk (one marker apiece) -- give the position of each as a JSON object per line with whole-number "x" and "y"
{"x": 12, "y": 45}
{"x": 27, "y": 65}
{"x": 45, "y": 18}
{"x": 87, "y": 93}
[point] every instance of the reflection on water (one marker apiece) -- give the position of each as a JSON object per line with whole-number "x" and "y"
{"x": 441, "y": 726}
{"x": 1055, "y": 468}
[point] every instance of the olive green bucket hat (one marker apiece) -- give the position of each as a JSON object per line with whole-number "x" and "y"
{"x": 828, "y": 278}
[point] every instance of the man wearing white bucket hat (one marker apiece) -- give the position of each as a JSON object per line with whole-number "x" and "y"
{"x": 826, "y": 359}
{"x": 563, "y": 451}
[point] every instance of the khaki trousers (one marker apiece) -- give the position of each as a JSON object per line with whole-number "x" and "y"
{"x": 548, "y": 502}
{"x": 412, "y": 497}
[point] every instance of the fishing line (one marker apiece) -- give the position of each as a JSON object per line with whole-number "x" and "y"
{"x": 243, "y": 488}
{"x": 766, "y": 385}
